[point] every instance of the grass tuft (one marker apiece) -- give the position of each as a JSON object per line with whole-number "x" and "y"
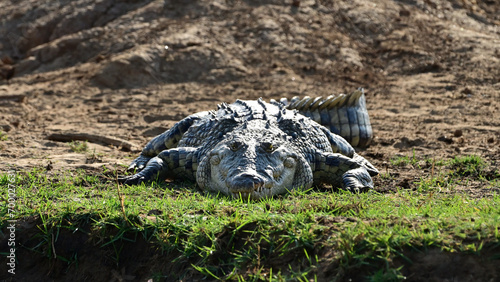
{"x": 79, "y": 146}
{"x": 3, "y": 136}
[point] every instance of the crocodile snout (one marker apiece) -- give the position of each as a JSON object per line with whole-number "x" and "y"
{"x": 245, "y": 183}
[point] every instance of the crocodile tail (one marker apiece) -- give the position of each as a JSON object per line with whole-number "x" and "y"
{"x": 345, "y": 115}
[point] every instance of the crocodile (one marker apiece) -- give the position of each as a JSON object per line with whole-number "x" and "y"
{"x": 257, "y": 149}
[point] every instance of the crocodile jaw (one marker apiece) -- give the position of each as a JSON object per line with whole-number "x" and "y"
{"x": 253, "y": 184}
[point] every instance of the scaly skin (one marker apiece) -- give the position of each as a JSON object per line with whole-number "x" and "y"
{"x": 254, "y": 149}
{"x": 345, "y": 115}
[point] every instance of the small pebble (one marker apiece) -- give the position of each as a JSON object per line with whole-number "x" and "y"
{"x": 467, "y": 91}
{"x": 458, "y": 133}
{"x": 445, "y": 139}
{"x": 404, "y": 13}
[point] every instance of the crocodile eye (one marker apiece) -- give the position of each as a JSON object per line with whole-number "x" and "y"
{"x": 268, "y": 146}
{"x": 234, "y": 146}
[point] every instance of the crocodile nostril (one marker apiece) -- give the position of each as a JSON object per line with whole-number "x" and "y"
{"x": 255, "y": 179}
{"x": 246, "y": 182}
{"x": 215, "y": 160}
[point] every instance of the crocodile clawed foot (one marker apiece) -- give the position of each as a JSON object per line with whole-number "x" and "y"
{"x": 138, "y": 164}
{"x": 358, "y": 189}
{"x": 357, "y": 180}
{"x": 134, "y": 168}
{"x": 131, "y": 180}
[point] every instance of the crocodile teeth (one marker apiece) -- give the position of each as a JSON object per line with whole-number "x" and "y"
{"x": 242, "y": 195}
{"x": 258, "y": 187}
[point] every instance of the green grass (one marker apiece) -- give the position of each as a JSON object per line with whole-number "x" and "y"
{"x": 291, "y": 237}
{"x": 405, "y": 160}
{"x": 472, "y": 166}
{"x": 3, "y": 136}
{"x": 79, "y": 146}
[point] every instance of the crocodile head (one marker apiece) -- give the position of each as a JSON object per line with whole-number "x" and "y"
{"x": 253, "y": 164}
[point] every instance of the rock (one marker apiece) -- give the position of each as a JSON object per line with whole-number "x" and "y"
{"x": 5, "y": 127}
{"x": 6, "y": 71}
{"x": 445, "y": 139}
{"x": 467, "y": 91}
{"x": 27, "y": 65}
{"x": 7, "y": 60}
{"x": 404, "y": 13}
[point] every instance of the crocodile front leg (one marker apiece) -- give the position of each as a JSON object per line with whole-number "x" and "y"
{"x": 351, "y": 174}
{"x": 167, "y": 140}
{"x": 173, "y": 163}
